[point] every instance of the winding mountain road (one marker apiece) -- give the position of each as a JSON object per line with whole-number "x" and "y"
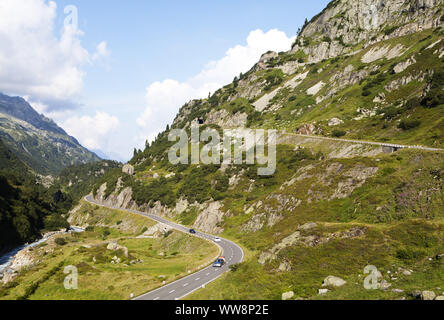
{"x": 184, "y": 286}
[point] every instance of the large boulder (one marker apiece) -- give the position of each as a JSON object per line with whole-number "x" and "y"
{"x": 385, "y": 285}
{"x": 322, "y": 291}
{"x": 308, "y": 226}
{"x": 9, "y": 276}
{"x": 128, "y": 169}
{"x": 428, "y": 295}
{"x": 284, "y": 266}
{"x": 287, "y": 295}
{"x": 405, "y": 271}
{"x": 332, "y": 281}
{"x": 210, "y": 218}
{"x": 335, "y": 122}
{"x": 307, "y": 129}
{"x": 113, "y": 246}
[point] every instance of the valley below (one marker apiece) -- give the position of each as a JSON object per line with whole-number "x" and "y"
{"x": 118, "y": 256}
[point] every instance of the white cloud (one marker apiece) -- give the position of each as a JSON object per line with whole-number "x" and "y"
{"x": 164, "y": 98}
{"x": 92, "y": 132}
{"x": 102, "y": 51}
{"x": 102, "y": 55}
{"x": 34, "y": 61}
{"x": 40, "y": 107}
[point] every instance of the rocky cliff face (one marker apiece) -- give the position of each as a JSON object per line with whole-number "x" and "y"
{"x": 344, "y": 24}
{"x": 208, "y": 220}
{"x": 357, "y": 62}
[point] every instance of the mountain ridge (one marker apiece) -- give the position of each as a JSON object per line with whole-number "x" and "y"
{"x": 37, "y": 140}
{"x": 345, "y": 23}
{"x": 19, "y": 108}
{"x": 324, "y": 84}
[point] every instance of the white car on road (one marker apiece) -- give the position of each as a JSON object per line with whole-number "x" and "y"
{"x": 217, "y": 240}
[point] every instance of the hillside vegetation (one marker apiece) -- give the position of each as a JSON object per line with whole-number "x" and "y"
{"x": 26, "y": 208}
{"x": 31, "y": 205}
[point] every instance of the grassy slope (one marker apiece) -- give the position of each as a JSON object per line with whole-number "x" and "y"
{"x": 345, "y": 103}
{"x": 382, "y": 246}
{"x": 298, "y": 108}
{"x": 401, "y": 208}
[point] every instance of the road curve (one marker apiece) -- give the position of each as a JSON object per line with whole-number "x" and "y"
{"x": 184, "y": 286}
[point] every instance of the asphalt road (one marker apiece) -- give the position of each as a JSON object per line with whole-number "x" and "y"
{"x": 183, "y": 287}
{"x": 383, "y": 144}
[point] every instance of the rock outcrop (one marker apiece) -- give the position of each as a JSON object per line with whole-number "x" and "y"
{"x": 124, "y": 200}
{"x": 310, "y": 240}
{"x": 223, "y": 119}
{"x": 428, "y": 295}
{"x": 287, "y": 295}
{"x": 332, "y": 281}
{"x": 210, "y": 218}
{"x": 128, "y": 169}
{"x": 114, "y": 246}
{"x": 345, "y": 23}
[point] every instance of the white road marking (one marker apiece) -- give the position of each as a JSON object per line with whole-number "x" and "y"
{"x": 197, "y": 279}
{"x": 207, "y": 274}
{"x": 186, "y": 284}
{"x": 172, "y": 291}
{"x": 156, "y": 298}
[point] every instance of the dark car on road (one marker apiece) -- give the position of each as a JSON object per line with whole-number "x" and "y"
{"x": 192, "y": 231}
{"x": 219, "y": 262}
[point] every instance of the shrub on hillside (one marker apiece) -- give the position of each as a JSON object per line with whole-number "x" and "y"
{"x": 106, "y": 232}
{"x": 407, "y": 124}
{"x": 338, "y": 133}
{"x": 435, "y": 96}
{"x": 409, "y": 254}
{"x": 221, "y": 182}
{"x": 157, "y": 190}
{"x": 235, "y": 267}
{"x": 196, "y": 186}
{"x": 273, "y": 78}
{"x": 60, "y": 241}
{"x": 55, "y": 222}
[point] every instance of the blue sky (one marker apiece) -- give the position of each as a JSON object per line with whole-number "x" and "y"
{"x": 147, "y": 42}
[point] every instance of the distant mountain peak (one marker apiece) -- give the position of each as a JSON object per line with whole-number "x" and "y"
{"x": 37, "y": 140}
{"x": 19, "y": 108}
